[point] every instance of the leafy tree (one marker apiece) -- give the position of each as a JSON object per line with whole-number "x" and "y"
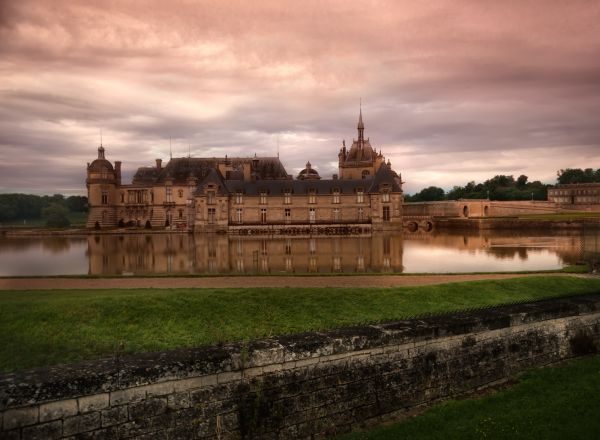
{"x": 77, "y": 203}
{"x": 432, "y": 193}
{"x": 56, "y": 215}
{"x": 522, "y": 181}
{"x": 577, "y": 175}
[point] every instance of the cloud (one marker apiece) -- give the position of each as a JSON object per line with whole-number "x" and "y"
{"x": 452, "y": 90}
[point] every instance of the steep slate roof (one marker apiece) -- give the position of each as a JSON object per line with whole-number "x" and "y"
{"x": 214, "y": 177}
{"x": 364, "y": 154}
{"x": 179, "y": 169}
{"x": 385, "y": 175}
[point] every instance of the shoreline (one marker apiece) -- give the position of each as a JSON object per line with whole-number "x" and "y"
{"x": 455, "y": 223}
{"x": 262, "y": 281}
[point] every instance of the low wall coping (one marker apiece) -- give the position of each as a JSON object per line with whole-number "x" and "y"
{"x": 60, "y": 382}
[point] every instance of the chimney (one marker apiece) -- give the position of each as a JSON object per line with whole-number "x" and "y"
{"x": 118, "y": 171}
{"x": 158, "y": 164}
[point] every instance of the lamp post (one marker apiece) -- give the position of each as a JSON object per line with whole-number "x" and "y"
{"x": 532, "y": 196}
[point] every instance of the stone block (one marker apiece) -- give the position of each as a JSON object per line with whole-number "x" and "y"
{"x": 58, "y": 410}
{"x": 179, "y": 401}
{"x": 15, "y": 434}
{"x": 229, "y": 376}
{"x": 147, "y": 408}
{"x": 15, "y": 418}
{"x": 159, "y": 389}
{"x": 44, "y": 431}
{"x": 95, "y": 402}
{"x": 119, "y": 397}
{"x": 188, "y": 384}
{"x": 81, "y": 423}
{"x": 114, "y": 416}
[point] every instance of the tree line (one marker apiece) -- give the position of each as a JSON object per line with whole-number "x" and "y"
{"x": 54, "y": 209}
{"x": 502, "y": 187}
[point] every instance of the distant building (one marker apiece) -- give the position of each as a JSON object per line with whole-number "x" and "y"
{"x": 575, "y": 194}
{"x": 221, "y": 194}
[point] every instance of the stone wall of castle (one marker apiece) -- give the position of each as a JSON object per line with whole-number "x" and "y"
{"x": 297, "y": 386}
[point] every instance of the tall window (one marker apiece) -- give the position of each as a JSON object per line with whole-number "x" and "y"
{"x": 288, "y": 246}
{"x": 169, "y": 194}
{"x": 180, "y": 214}
{"x": 105, "y": 197}
{"x": 336, "y": 214}
{"x": 288, "y": 215}
{"x": 263, "y": 197}
{"x": 312, "y": 215}
{"x": 210, "y": 197}
{"x": 386, "y": 213}
{"x": 180, "y": 193}
{"x": 211, "y": 215}
{"x": 336, "y": 195}
{"x": 122, "y": 198}
{"x": 239, "y": 215}
{"x": 385, "y": 197}
{"x": 360, "y": 196}
{"x": 239, "y": 198}
{"x": 263, "y": 215}
{"x": 312, "y": 195}
{"x": 287, "y": 196}
{"x": 361, "y": 214}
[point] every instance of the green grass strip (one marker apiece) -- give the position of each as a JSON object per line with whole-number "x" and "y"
{"x": 559, "y": 403}
{"x": 50, "y": 327}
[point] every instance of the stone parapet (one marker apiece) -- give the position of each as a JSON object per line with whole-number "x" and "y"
{"x": 296, "y": 386}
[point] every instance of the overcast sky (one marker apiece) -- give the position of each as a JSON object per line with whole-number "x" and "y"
{"x": 452, "y": 91}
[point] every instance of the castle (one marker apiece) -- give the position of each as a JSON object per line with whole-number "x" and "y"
{"x": 247, "y": 194}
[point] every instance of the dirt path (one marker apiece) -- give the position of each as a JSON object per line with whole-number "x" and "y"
{"x": 250, "y": 281}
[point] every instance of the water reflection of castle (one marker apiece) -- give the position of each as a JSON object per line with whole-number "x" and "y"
{"x": 225, "y": 254}
{"x": 208, "y": 253}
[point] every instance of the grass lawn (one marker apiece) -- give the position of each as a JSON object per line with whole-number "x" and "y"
{"x": 559, "y": 402}
{"x": 49, "y": 327}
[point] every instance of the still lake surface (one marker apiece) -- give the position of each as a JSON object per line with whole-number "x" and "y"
{"x": 435, "y": 252}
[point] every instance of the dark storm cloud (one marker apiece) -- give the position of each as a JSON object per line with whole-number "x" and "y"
{"x": 452, "y": 90}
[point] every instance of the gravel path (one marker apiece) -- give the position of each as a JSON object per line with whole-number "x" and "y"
{"x": 248, "y": 281}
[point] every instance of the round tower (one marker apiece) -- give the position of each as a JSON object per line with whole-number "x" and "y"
{"x": 102, "y": 181}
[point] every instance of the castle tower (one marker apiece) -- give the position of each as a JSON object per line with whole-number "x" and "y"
{"x": 102, "y": 181}
{"x": 361, "y": 160}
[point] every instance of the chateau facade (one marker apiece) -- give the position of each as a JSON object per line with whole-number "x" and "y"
{"x": 575, "y": 194}
{"x": 241, "y": 194}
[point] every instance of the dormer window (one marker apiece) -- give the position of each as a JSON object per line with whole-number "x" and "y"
{"x": 385, "y": 196}
{"x": 287, "y": 196}
{"x": 263, "y": 196}
{"x": 239, "y": 197}
{"x": 336, "y": 195}
{"x": 312, "y": 195}
{"x": 360, "y": 195}
{"x": 210, "y": 197}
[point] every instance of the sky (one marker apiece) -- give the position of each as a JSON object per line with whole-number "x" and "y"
{"x": 452, "y": 91}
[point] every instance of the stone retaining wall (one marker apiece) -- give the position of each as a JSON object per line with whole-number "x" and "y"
{"x": 310, "y": 385}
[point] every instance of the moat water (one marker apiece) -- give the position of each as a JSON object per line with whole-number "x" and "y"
{"x": 434, "y": 252}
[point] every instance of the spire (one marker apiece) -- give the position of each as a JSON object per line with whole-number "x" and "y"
{"x": 100, "y": 148}
{"x": 361, "y": 127}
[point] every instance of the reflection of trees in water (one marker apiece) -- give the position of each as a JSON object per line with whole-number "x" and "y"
{"x": 56, "y": 245}
{"x": 52, "y": 244}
